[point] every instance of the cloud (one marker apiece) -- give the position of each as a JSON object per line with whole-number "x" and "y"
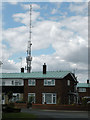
{"x": 52, "y": 34}
{"x": 54, "y": 11}
{"x": 69, "y": 1}
{"x": 16, "y": 38}
{"x": 79, "y": 8}
{"x": 25, "y": 17}
{"x": 13, "y": 3}
{"x": 27, "y": 6}
{"x": 77, "y": 24}
{"x": 11, "y": 65}
{"x": 67, "y": 36}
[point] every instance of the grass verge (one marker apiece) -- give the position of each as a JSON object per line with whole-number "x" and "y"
{"x": 17, "y": 115}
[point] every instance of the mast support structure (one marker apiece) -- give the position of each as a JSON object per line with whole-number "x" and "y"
{"x": 29, "y": 58}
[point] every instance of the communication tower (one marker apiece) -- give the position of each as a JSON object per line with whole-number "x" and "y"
{"x": 29, "y": 58}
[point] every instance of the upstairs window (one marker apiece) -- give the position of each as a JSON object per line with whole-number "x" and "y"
{"x": 16, "y": 83}
{"x": 82, "y": 89}
{"x": 49, "y": 82}
{"x": 31, "y": 82}
{"x": 68, "y": 82}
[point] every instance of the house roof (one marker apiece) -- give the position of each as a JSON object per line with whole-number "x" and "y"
{"x": 49, "y": 74}
{"x": 83, "y": 85}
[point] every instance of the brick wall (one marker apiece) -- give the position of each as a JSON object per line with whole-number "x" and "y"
{"x": 60, "y": 88}
{"x": 82, "y": 94}
{"x": 60, "y": 107}
{"x": 20, "y": 105}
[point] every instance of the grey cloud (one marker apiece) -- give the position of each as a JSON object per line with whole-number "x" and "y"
{"x": 78, "y": 55}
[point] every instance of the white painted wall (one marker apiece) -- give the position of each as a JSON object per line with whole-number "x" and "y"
{"x": 16, "y": 82}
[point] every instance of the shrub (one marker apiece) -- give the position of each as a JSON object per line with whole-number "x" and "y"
{"x": 84, "y": 101}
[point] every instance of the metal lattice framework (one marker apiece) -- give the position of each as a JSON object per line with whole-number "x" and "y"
{"x": 29, "y": 58}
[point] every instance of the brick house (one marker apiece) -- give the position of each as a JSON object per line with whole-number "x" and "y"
{"x": 50, "y": 87}
{"x": 83, "y": 90}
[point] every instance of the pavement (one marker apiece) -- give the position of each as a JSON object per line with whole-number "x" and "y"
{"x": 57, "y": 113}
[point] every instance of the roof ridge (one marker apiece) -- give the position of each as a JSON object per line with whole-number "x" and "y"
{"x": 36, "y": 71}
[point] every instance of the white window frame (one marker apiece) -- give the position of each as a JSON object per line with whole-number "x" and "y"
{"x": 68, "y": 82}
{"x": 32, "y": 82}
{"x": 47, "y": 80}
{"x": 52, "y": 94}
{"x": 81, "y": 89}
{"x": 32, "y": 94}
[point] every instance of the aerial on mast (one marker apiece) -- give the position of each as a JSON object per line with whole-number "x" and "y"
{"x": 29, "y": 58}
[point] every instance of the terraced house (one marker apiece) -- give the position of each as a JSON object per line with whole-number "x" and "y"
{"x": 83, "y": 90}
{"x": 46, "y": 87}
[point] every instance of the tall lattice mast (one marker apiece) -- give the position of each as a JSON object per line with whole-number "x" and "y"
{"x": 29, "y": 58}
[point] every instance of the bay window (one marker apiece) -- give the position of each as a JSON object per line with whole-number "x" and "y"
{"x": 49, "y": 98}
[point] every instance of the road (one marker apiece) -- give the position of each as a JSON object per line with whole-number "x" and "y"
{"x": 57, "y": 113}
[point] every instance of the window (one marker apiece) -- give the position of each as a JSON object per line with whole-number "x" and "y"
{"x": 49, "y": 82}
{"x": 31, "y": 82}
{"x": 3, "y": 83}
{"x": 68, "y": 82}
{"x": 16, "y": 97}
{"x": 31, "y": 97}
{"x": 82, "y": 89}
{"x": 20, "y": 82}
{"x": 16, "y": 83}
{"x": 49, "y": 98}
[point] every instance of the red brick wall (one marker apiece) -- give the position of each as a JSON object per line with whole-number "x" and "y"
{"x": 60, "y": 88}
{"x": 20, "y": 105}
{"x": 82, "y": 94}
{"x": 25, "y": 90}
{"x": 60, "y": 107}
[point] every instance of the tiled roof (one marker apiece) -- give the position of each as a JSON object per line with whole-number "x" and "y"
{"x": 49, "y": 74}
{"x": 83, "y": 85}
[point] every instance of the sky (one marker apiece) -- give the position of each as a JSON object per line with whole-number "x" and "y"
{"x": 59, "y": 36}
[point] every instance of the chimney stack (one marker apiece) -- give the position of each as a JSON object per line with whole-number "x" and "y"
{"x": 22, "y": 70}
{"x": 87, "y": 81}
{"x": 44, "y": 68}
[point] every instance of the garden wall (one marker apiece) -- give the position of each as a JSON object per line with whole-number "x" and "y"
{"x": 61, "y": 107}
{"x": 20, "y": 105}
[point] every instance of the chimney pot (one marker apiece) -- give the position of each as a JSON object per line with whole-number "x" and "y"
{"x": 22, "y": 70}
{"x": 87, "y": 81}
{"x": 44, "y": 68}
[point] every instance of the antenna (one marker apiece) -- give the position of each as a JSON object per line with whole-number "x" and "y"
{"x": 29, "y": 58}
